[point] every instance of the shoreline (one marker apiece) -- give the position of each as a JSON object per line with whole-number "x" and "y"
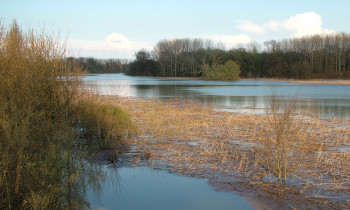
{"x": 194, "y": 140}
{"x": 309, "y": 81}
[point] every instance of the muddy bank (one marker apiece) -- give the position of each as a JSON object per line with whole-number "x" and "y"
{"x": 194, "y": 140}
{"x": 337, "y": 82}
{"x": 312, "y": 81}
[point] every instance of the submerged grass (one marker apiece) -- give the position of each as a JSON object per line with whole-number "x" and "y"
{"x": 302, "y": 158}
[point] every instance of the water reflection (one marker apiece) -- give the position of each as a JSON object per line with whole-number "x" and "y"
{"x": 328, "y": 100}
{"x": 79, "y": 175}
{"x": 146, "y": 188}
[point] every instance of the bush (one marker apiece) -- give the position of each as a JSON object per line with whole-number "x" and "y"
{"x": 38, "y": 90}
{"x": 229, "y": 71}
{"x": 285, "y": 142}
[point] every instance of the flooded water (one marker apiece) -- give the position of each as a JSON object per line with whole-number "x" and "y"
{"x": 328, "y": 100}
{"x": 146, "y": 188}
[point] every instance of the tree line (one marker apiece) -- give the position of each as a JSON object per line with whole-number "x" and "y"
{"x": 94, "y": 65}
{"x": 316, "y": 56}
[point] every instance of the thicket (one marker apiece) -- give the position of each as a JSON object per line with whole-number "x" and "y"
{"x": 316, "y": 56}
{"x": 43, "y": 146}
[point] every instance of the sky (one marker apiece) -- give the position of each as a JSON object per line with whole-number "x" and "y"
{"x": 119, "y": 28}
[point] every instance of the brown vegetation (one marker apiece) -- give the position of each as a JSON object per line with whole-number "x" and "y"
{"x": 312, "y": 81}
{"x": 282, "y": 154}
{"x": 337, "y": 82}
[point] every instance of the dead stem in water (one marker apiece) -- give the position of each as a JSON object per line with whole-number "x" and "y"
{"x": 194, "y": 139}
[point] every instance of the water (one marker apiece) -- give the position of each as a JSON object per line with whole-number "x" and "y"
{"x": 146, "y": 188}
{"x": 328, "y": 100}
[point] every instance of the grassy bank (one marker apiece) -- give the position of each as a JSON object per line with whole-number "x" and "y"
{"x": 284, "y": 160}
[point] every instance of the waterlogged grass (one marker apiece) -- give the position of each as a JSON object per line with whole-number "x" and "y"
{"x": 103, "y": 121}
{"x": 286, "y": 154}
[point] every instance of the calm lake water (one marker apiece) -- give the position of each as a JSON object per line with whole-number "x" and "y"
{"x": 145, "y": 188}
{"x": 328, "y": 100}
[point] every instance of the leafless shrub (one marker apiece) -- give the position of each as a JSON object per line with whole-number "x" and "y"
{"x": 283, "y": 138}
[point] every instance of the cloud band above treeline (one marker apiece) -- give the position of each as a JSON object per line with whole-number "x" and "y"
{"x": 309, "y": 23}
{"x": 117, "y": 45}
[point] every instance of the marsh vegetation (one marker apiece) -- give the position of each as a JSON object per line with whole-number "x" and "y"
{"x": 281, "y": 154}
{"x": 284, "y": 156}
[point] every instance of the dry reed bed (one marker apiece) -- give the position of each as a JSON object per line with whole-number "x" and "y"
{"x": 194, "y": 139}
{"x": 337, "y": 82}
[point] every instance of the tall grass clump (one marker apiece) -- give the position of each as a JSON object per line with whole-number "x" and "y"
{"x": 103, "y": 125}
{"x": 284, "y": 140}
{"x": 41, "y": 165}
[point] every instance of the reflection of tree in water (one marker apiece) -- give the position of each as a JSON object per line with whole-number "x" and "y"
{"x": 82, "y": 176}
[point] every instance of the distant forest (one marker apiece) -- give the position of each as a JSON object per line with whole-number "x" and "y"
{"x": 93, "y": 65}
{"x": 317, "y": 56}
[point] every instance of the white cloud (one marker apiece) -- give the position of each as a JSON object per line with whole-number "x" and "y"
{"x": 115, "y": 45}
{"x": 228, "y": 40}
{"x": 248, "y": 26}
{"x": 118, "y": 41}
{"x": 299, "y": 25}
{"x": 272, "y": 25}
{"x": 305, "y": 24}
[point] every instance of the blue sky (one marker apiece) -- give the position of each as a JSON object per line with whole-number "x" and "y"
{"x": 116, "y": 29}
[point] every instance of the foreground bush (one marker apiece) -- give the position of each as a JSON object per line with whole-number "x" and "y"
{"x": 36, "y": 104}
{"x": 41, "y": 164}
